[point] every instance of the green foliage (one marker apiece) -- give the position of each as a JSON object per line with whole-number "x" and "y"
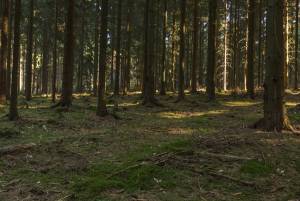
{"x": 136, "y": 178}
{"x": 256, "y": 168}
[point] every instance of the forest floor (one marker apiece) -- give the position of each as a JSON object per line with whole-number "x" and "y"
{"x": 193, "y": 150}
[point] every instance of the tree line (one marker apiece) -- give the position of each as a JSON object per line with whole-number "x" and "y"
{"x": 153, "y": 46}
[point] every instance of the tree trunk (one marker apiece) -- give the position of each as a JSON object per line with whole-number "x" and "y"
{"x": 96, "y": 50}
{"x": 118, "y": 50}
{"x": 13, "y": 109}
{"x": 164, "y": 49}
{"x": 68, "y": 70}
{"x": 28, "y": 77}
{"x": 3, "y": 53}
{"x": 101, "y": 109}
{"x": 296, "y": 46}
{"x": 54, "y": 73}
{"x": 195, "y": 46}
{"x": 211, "y": 52}
{"x": 181, "y": 94}
{"x": 274, "y": 105}
{"x": 250, "y": 50}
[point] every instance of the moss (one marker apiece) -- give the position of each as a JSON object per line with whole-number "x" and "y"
{"x": 256, "y": 168}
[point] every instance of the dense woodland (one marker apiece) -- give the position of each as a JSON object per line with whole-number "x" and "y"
{"x": 127, "y": 100}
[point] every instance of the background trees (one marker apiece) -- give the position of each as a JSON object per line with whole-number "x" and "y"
{"x": 182, "y": 42}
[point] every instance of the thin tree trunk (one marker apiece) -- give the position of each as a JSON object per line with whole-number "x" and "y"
{"x": 13, "y": 109}
{"x": 118, "y": 50}
{"x": 250, "y": 50}
{"x": 28, "y": 77}
{"x": 164, "y": 49}
{"x": 54, "y": 73}
{"x": 181, "y": 94}
{"x": 195, "y": 47}
{"x": 96, "y": 50}
{"x": 296, "y": 46}
{"x": 68, "y": 70}
{"x": 101, "y": 109}
{"x": 3, "y": 52}
{"x": 211, "y": 52}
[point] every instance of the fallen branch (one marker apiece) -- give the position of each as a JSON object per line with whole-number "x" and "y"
{"x": 226, "y": 177}
{"x": 224, "y": 156}
{"x": 16, "y": 148}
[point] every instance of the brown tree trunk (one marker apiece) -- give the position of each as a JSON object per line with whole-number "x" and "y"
{"x": 275, "y": 117}
{"x": 163, "y": 63}
{"x": 3, "y": 51}
{"x": 9, "y": 50}
{"x": 54, "y": 73}
{"x": 13, "y": 109}
{"x": 118, "y": 50}
{"x": 195, "y": 46}
{"x": 96, "y": 50}
{"x": 296, "y": 46}
{"x": 45, "y": 60}
{"x": 211, "y": 52}
{"x": 101, "y": 109}
{"x": 68, "y": 70}
{"x": 28, "y": 77}
{"x": 181, "y": 94}
{"x": 250, "y": 50}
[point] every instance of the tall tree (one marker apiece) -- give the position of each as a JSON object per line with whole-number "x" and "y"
{"x": 296, "y": 46}
{"x": 13, "y": 109}
{"x": 250, "y": 50}
{"x": 148, "y": 76}
{"x": 195, "y": 46}
{"x": 181, "y": 94}
{"x": 211, "y": 52}
{"x": 28, "y": 77}
{"x": 164, "y": 49}
{"x": 68, "y": 69}
{"x": 118, "y": 49}
{"x": 3, "y": 51}
{"x": 275, "y": 117}
{"x": 96, "y": 48}
{"x": 101, "y": 109}
{"x": 54, "y": 73}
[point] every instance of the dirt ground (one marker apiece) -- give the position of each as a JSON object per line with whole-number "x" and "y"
{"x": 189, "y": 151}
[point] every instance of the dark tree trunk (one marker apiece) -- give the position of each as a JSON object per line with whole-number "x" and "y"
{"x": 164, "y": 49}
{"x": 54, "y": 73}
{"x": 128, "y": 48}
{"x": 149, "y": 54}
{"x": 250, "y": 50}
{"x": 96, "y": 50}
{"x": 3, "y": 51}
{"x": 118, "y": 50}
{"x": 45, "y": 60}
{"x": 296, "y": 46}
{"x": 68, "y": 70}
{"x": 211, "y": 52}
{"x": 9, "y": 50}
{"x": 13, "y": 109}
{"x": 274, "y": 105}
{"x": 101, "y": 109}
{"x": 181, "y": 94}
{"x": 28, "y": 77}
{"x": 195, "y": 46}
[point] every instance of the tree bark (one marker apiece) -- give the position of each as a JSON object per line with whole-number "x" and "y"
{"x": 3, "y": 51}
{"x": 181, "y": 94}
{"x": 68, "y": 70}
{"x": 28, "y": 77}
{"x": 13, "y": 109}
{"x": 250, "y": 50}
{"x": 211, "y": 52}
{"x": 101, "y": 109}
